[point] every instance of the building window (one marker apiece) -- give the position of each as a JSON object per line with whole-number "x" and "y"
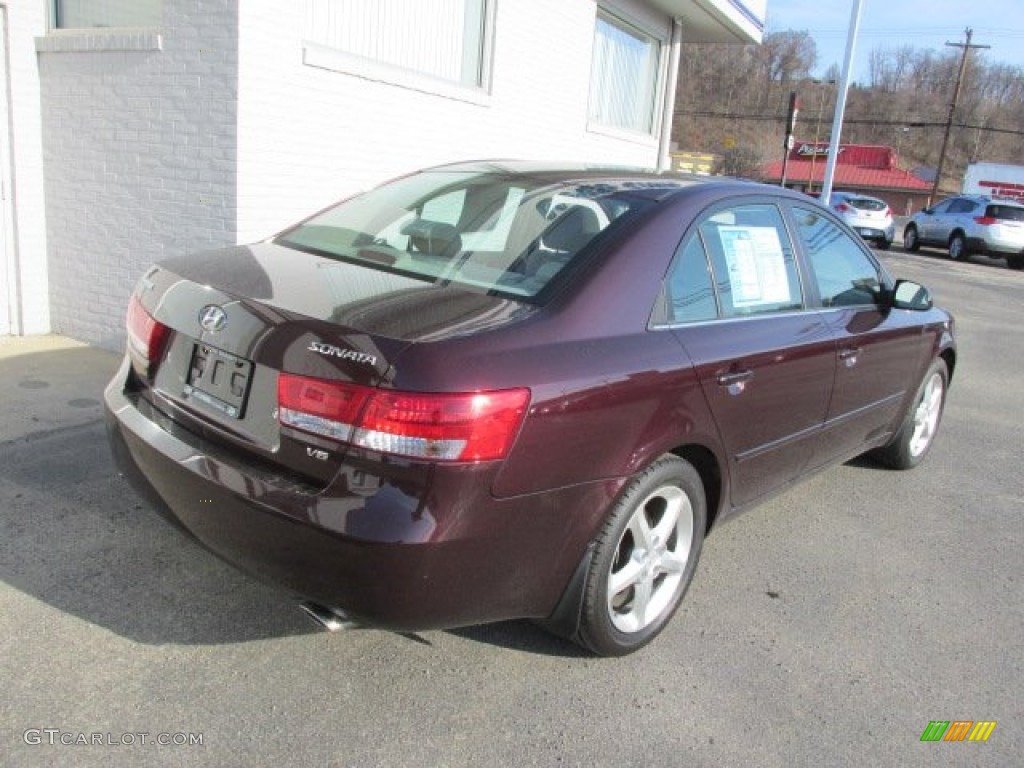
{"x": 441, "y": 38}
{"x": 83, "y": 14}
{"x": 624, "y": 75}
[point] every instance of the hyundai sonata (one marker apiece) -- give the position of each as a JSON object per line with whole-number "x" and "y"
{"x": 498, "y": 390}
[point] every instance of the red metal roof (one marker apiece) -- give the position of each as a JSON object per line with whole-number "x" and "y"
{"x": 861, "y": 166}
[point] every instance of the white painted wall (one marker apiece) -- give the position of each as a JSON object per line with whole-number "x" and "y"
{"x": 140, "y": 156}
{"x": 308, "y": 135}
{"x": 212, "y": 130}
{"x": 25, "y": 275}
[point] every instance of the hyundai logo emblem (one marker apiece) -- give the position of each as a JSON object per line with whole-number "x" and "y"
{"x": 212, "y": 318}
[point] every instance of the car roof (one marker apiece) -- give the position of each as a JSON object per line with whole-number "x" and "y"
{"x": 987, "y": 200}
{"x": 658, "y": 185}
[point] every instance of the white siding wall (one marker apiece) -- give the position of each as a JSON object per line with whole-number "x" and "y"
{"x": 139, "y": 156}
{"x": 309, "y": 135}
{"x": 26, "y": 225}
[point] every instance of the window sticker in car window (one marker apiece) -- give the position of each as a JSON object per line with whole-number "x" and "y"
{"x": 757, "y": 266}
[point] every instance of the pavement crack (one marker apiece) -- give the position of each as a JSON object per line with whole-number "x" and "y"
{"x": 45, "y": 434}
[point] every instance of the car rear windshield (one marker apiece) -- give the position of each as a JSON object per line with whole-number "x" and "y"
{"x": 500, "y": 233}
{"x": 1005, "y": 212}
{"x": 866, "y": 203}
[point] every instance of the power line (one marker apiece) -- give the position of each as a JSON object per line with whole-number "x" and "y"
{"x": 909, "y": 123}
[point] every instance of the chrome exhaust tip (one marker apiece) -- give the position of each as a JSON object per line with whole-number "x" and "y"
{"x": 331, "y": 619}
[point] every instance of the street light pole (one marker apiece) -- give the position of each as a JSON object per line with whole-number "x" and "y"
{"x": 844, "y": 89}
{"x": 787, "y": 143}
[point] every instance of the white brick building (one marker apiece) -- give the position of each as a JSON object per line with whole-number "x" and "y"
{"x": 161, "y": 126}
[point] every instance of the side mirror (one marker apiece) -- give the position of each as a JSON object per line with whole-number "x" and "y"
{"x": 907, "y": 294}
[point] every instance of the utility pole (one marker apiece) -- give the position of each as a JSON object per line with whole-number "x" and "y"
{"x": 953, "y": 104}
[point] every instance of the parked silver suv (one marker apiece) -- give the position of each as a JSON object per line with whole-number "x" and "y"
{"x": 968, "y": 224}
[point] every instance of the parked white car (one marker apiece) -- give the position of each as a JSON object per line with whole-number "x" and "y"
{"x": 868, "y": 216}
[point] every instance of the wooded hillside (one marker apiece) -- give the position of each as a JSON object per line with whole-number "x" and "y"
{"x": 732, "y": 101}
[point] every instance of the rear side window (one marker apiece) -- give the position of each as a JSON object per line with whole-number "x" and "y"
{"x": 689, "y": 290}
{"x": 1005, "y": 212}
{"x": 492, "y": 232}
{"x": 962, "y": 205}
{"x": 844, "y": 274}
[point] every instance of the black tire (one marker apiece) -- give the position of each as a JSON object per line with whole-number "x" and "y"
{"x": 957, "y": 247}
{"x": 616, "y": 619}
{"x": 909, "y": 446}
{"x": 883, "y": 244}
{"x": 911, "y": 242}
{"x": 1015, "y": 262}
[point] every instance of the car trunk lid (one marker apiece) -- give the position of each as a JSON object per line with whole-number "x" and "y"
{"x": 241, "y": 316}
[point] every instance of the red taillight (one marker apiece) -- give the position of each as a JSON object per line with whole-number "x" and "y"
{"x": 886, "y": 211}
{"x": 327, "y": 408}
{"x": 842, "y": 207}
{"x": 471, "y": 426}
{"x": 986, "y": 221}
{"x": 146, "y": 336}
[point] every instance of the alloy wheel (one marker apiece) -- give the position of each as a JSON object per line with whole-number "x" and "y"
{"x": 650, "y": 558}
{"x": 926, "y": 415}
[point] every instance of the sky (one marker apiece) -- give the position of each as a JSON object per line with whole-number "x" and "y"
{"x": 893, "y": 23}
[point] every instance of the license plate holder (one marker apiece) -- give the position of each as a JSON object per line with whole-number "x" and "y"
{"x": 219, "y": 380}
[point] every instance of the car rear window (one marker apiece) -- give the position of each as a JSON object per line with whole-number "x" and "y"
{"x": 866, "y": 203}
{"x": 1005, "y": 212}
{"x": 507, "y": 234}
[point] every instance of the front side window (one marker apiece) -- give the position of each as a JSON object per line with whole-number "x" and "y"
{"x": 845, "y": 275}
{"x": 441, "y": 38}
{"x": 752, "y": 259}
{"x": 492, "y": 232}
{"x": 623, "y": 76}
{"x": 79, "y": 14}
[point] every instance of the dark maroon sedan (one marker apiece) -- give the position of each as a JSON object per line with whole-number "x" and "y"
{"x": 488, "y": 391}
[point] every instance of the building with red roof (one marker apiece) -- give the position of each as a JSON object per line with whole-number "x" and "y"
{"x": 866, "y": 168}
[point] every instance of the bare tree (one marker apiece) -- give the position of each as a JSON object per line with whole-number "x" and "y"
{"x": 731, "y": 101}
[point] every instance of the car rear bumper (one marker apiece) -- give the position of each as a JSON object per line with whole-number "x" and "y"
{"x": 396, "y": 544}
{"x": 995, "y": 246}
{"x": 871, "y": 232}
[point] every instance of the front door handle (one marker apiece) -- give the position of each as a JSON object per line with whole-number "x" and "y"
{"x": 849, "y": 355}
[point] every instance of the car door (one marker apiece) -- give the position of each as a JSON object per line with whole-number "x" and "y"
{"x": 878, "y": 349}
{"x": 953, "y": 217}
{"x": 765, "y": 364}
{"x": 931, "y": 224}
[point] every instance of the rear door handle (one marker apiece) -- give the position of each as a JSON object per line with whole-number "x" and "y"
{"x": 849, "y": 355}
{"x": 735, "y": 377}
{"x": 735, "y": 381}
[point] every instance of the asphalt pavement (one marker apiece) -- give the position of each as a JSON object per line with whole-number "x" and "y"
{"x": 825, "y": 628}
